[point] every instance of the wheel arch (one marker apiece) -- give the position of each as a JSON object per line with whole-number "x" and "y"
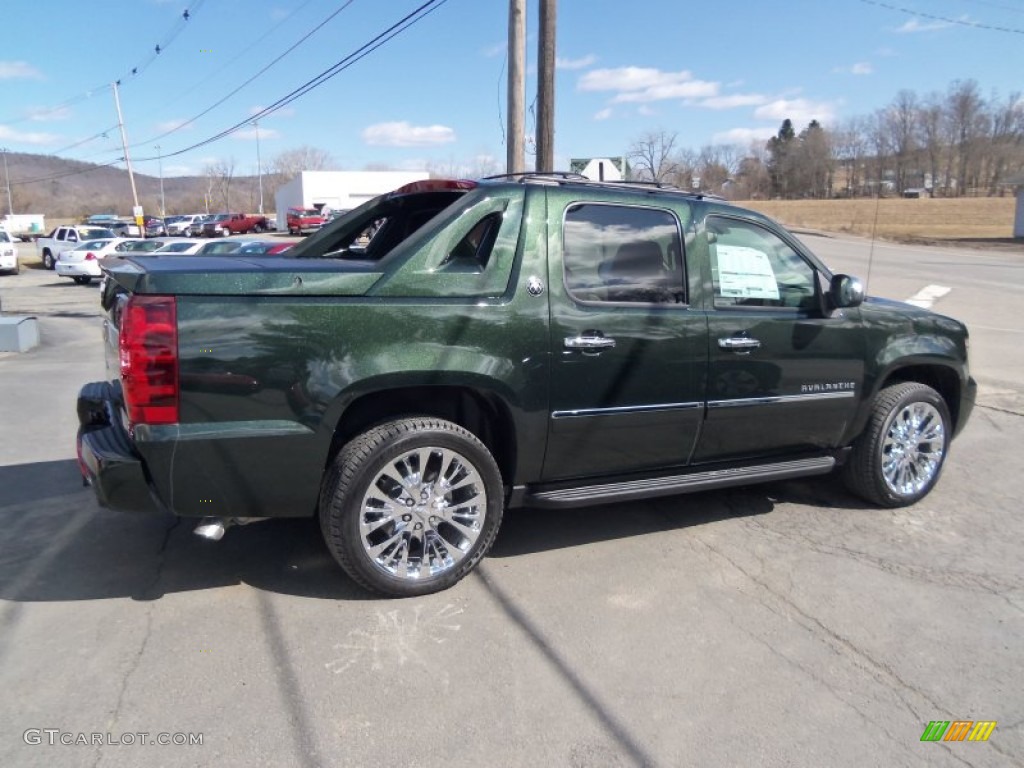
{"x": 942, "y": 378}
{"x": 483, "y": 413}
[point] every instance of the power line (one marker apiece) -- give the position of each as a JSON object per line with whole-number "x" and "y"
{"x": 231, "y": 93}
{"x": 132, "y": 72}
{"x": 364, "y": 50}
{"x": 340, "y": 66}
{"x": 946, "y": 19}
{"x": 270, "y": 31}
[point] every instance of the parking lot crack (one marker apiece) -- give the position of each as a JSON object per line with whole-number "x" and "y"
{"x": 881, "y": 672}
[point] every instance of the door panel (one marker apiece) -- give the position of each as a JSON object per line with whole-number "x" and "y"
{"x": 783, "y": 375}
{"x": 628, "y": 356}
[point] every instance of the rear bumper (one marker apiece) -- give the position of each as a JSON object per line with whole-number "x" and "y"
{"x": 108, "y": 461}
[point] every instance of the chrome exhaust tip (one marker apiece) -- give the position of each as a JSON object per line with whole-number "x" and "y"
{"x": 212, "y": 528}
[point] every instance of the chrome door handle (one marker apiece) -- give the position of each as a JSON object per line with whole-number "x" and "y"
{"x": 739, "y": 343}
{"x": 588, "y": 343}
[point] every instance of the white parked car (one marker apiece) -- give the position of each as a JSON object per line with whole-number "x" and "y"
{"x": 183, "y": 226}
{"x": 8, "y": 253}
{"x": 82, "y": 263}
{"x": 181, "y": 247}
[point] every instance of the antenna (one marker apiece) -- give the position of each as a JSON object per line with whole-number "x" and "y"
{"x": 874, "y": 229}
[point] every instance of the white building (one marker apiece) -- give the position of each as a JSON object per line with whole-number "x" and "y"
{"x": 600, "y": 168}
{"x": 339, "y": 190}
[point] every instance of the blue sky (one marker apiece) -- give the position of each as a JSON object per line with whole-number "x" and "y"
{"x": 712, "y": 72}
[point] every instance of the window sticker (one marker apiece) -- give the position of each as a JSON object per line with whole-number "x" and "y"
{"x": 745, "y": 273}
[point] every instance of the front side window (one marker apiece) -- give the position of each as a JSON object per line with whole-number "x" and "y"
{"x": 753, "y": 267}
{"x": 618, "y": 253}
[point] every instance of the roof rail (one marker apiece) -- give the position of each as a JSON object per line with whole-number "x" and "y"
{"x": 522, "y": 178}
{"x": 562, "y": 177}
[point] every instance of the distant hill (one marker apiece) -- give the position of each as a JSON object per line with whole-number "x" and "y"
{"x": 62, "y": 188}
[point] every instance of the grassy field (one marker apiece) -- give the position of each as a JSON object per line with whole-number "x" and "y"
{"x": 974, "y": 218}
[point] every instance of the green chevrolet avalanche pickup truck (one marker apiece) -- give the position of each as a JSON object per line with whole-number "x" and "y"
{"x": 455, "y": 348}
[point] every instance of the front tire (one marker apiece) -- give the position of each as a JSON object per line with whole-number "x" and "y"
{"x": 897, "y": 460}
{"x": 410, "y": 507}
{"x": 82, "y": 279}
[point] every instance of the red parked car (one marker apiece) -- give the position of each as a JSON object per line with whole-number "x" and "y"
{"x": 304, "y": 221}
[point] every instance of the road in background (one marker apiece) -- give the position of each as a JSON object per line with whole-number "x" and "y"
{"x": 783, "y": 624}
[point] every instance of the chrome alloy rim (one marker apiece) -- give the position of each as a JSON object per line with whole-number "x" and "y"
{"x": 422, "y": 513}
{"x": 913, "y": 448}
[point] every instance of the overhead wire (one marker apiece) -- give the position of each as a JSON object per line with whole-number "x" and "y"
{"x": 364, "y": 50}
{"x": 349, "y": 60}
{"x": 231, "y": 93}
{"x": 132, "y": 72}
{"x": 945, "y": 19}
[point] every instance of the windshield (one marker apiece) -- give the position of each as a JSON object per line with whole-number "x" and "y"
{"x": 95, "y": 232}
{"x": 92, "y": 244}
{"x": 176, "y": 247}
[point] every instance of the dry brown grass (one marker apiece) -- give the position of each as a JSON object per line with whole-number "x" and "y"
{"x": 897, "y": 219}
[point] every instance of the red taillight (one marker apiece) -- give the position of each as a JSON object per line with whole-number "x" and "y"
{"x": 90, "y": 256}
{"x": 149, "y": 359}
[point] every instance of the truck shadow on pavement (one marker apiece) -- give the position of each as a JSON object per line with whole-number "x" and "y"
{"x": 59, "y": 545}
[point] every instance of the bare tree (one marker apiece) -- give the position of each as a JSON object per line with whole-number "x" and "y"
{"x": 219, "y": 176}
{"x": 902, "y": 125}
{"x": 929, "y": 125}
{"x": 292, "y": 162}
{"x": 652, "y": 156}
{"x": 965, "y": 123}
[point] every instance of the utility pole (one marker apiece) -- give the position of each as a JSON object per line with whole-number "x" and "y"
{"x": 516, "y": 86}
{"x": 259, "y": 163}
{"x": 546, "y": 87}
{"x": 160, "y": 164}
{"x": 7, "y": 177}
{"x": 136, "y": 210}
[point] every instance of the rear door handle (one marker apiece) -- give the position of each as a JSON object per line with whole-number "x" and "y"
{"x": 589, "y": 342}
{"x": 741, "y": 344}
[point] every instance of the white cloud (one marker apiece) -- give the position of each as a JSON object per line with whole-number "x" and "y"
{"x": 402, "y": 134}
{"x": 604, "y": 114}
{"x": 914, "y": 25}
{"x": 48, "y": 114}
{"x": 732, "y": 101}
{"x": 180, "y": 123}
{"x": 860, "y": 68}
{"x": 646, "y": 111}
{"x": 580, "y": 63}
{"x": 498, "y": 49}
{"x": 26, "y": 137}
{"x": 250, "y": 134}
{"x": 645, "y": 84}
{"x": 800, "y": 111}
{"x": 179, "y": 170}
{"x": 743, "y": 136}
{"x": 19, "y": 70}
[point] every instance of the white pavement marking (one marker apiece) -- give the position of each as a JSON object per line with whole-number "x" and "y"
{"x": 927, "y": 295}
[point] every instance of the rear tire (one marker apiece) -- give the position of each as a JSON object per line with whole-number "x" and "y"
{"x": 82, "y": 279}
{"x": 898, "y": 458}
{"x": 410, "y": 507}
{"x": 48, "y": 262}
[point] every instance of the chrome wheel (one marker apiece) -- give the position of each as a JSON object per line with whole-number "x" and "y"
{"x": 423, "y": 513}
{"x": 410, "y": 506}
{"x": 912, "y": 450}
{"x": 898, "y": 457}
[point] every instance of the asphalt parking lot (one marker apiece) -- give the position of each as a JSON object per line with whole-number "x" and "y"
{"x": 777, "y": 625}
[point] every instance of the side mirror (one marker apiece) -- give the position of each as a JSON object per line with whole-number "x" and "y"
{"x": 846, "y": 291}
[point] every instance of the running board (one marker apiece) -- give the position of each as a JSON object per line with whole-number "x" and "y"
{"x": 583, "y": 496}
